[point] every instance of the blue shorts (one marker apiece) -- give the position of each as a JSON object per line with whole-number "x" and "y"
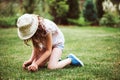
{"x": 60, "y": 46}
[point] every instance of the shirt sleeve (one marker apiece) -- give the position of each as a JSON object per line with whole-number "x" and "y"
{"x": 50, "y": 26}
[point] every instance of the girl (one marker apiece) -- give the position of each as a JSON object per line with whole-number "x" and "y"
{"x": 48, "y": 43}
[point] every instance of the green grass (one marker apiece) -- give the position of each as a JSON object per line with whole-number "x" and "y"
{"x": 97, "y": 47}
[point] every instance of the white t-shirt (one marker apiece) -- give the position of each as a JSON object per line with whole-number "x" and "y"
{"x": 57, "y": 35}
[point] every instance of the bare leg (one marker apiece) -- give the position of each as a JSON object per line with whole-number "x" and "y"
{"x": 54, "y": 62}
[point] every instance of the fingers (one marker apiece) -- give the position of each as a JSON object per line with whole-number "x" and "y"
{"x": 26, "y": 64}
{"x": 23, "y": 66}
{"x": 32, "y": 68}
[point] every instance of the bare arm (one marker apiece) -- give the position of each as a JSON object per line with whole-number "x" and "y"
{"x": 47, "y": 53}
{"x": 28, "y": 62}
{"x": 33, "y": 55}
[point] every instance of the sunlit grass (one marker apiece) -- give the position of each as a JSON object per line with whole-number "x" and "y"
{"x": 97, "y": 47}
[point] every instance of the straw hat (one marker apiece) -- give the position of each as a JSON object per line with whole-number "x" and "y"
{"x": 27, "y": 26}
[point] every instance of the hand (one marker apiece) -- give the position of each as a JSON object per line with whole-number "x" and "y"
{"x": 26, "y": 64}
{"x": 33, "y": 67}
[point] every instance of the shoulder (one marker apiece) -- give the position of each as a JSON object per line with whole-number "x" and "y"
{"x": 47, "y": 21}
{"x": 49, "y": 24}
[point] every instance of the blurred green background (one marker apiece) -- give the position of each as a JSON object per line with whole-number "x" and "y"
{"x": 98, "y": 47}
{"x": 63, "y": 12}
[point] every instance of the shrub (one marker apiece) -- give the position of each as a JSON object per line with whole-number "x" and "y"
{"x": 80, "y": 22}
{"x": 6, "y": 22}
{"x": 90, "y": 13}
{"x": 59, "y": 9}
{"x": 73, "y": 12}
{"x": 63, "y": 11}
{"x": 110, "y": 20}
{"x": 99, "y": 8}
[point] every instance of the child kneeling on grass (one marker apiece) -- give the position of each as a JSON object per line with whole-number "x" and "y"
{"x": 48, "y": 43}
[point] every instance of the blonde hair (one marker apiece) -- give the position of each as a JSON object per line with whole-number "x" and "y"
{"x": 39, "y": 36}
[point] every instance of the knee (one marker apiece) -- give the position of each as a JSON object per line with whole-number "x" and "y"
{"x": 51, "y": 67}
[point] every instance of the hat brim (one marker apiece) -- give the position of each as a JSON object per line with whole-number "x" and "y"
{"x": 33, "y": 29}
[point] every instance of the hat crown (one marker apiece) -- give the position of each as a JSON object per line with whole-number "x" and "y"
{"x": 24, "y": 20}
{"x": 27, "y": 26}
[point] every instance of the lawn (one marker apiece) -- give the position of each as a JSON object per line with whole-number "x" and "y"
{"x": 97, "y": 47}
